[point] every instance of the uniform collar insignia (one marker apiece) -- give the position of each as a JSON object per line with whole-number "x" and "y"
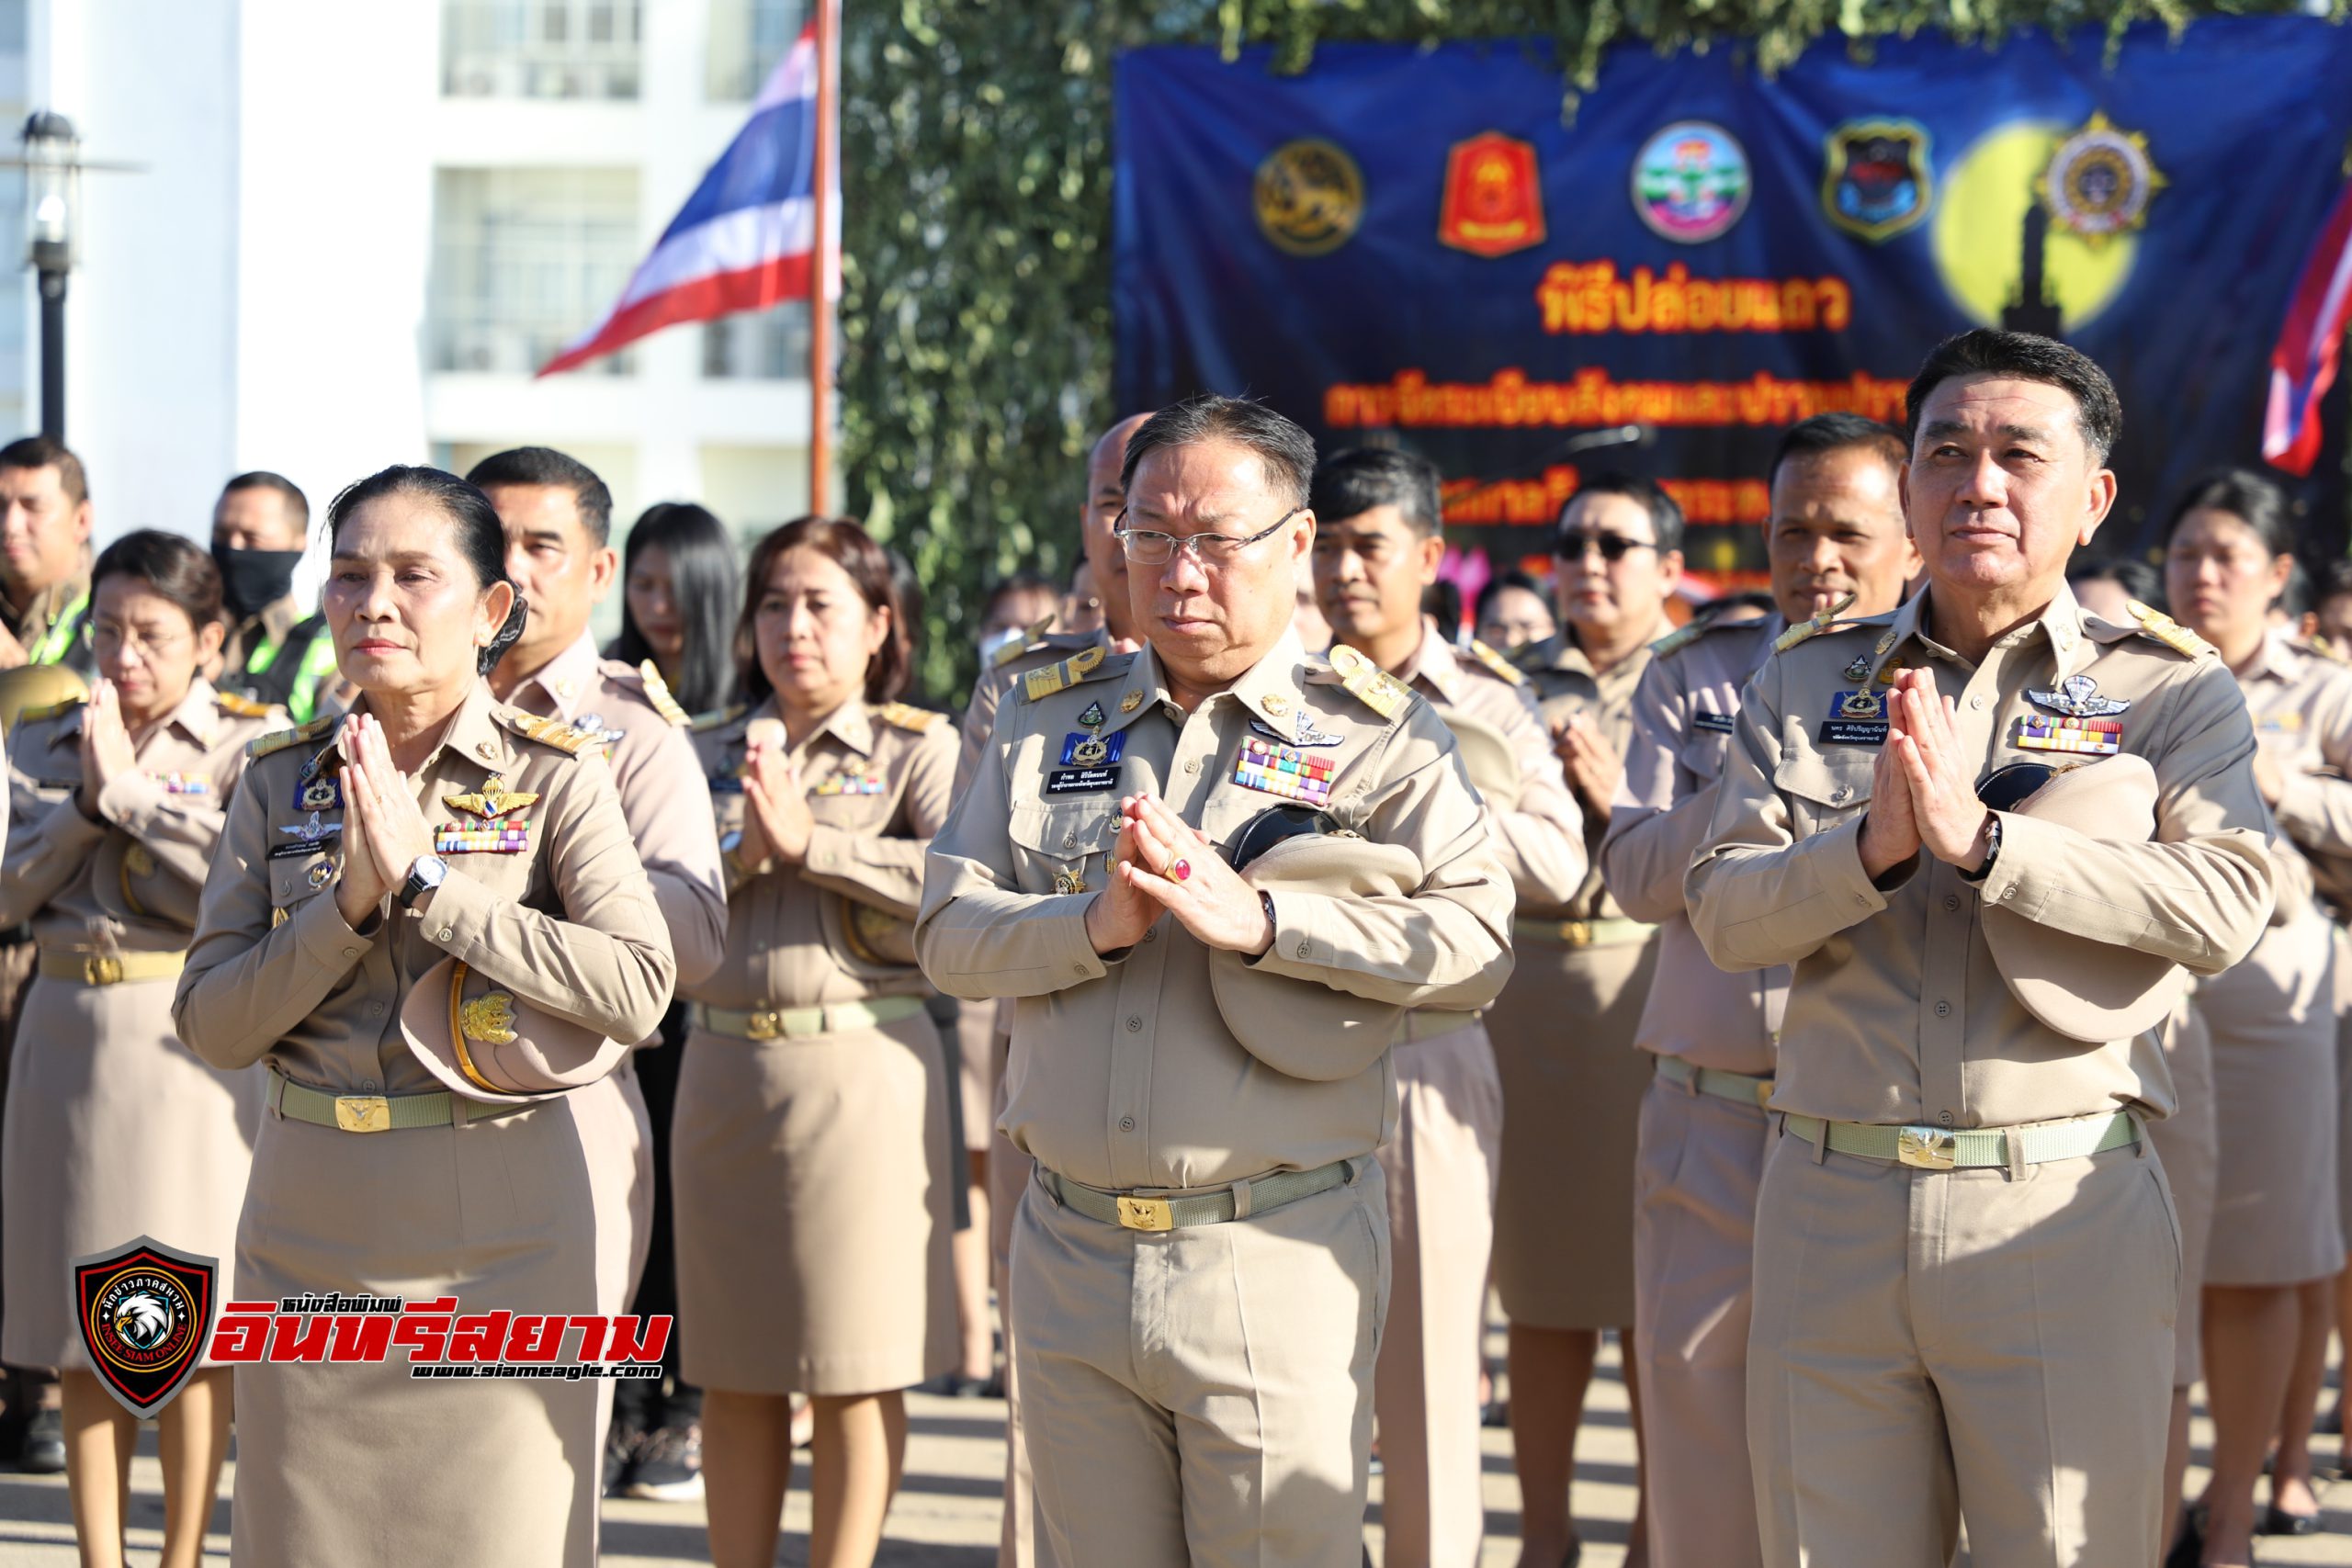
{"x": 1092, "y": 718}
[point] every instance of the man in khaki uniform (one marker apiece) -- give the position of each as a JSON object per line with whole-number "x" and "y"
{"x": 985, "y": 1030}
{"x": 1564, "y": 1030}
{"x": 1199, "y": 1266}
{"x": 1836, "y": 537}
{"x": 1966, "y": 1262}
{"x": 1378, "y": 540}
{"x": 556, "y": 513}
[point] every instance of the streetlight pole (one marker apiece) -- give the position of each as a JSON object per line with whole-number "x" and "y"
{"x": 52, "y": 200}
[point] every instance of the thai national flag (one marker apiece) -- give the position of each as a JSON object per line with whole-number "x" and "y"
{"x": 2302, "y": 366}
{"x": 742, "y": 242}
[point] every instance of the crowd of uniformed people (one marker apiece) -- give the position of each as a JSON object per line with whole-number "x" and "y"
{"x": 1903, "y": 1006}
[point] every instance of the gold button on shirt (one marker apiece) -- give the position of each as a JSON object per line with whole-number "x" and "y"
{"x": 1897, "y": 1013}
{"x": 1123, "y": 1072}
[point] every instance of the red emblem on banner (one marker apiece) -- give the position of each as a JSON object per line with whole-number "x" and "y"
{"x": 1492, "y": 204}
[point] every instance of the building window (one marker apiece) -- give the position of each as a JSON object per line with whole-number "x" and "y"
{"x": 758, "y": 345}
{"x": 525, "y": 260}
{"x": 540, "y": 48}
{"x": 747, "y": 38}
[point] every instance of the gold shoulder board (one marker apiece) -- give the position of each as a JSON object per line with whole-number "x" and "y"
{"x": 1812, "y": 628}
{"x": 716, "y": 717}
{"x": 1041, "y": 683}
{"x": 1368, "y": 683}
{"x": 545, "y": 731}
{"x": 1496, "y": 662}
{"x": 2155, "y": 624}
{"x": 242, "y": 706}
{"x": 49, "y": 710}
{"x": 1015, "y": 647}
{"x": 278, "y": 739}
{"x": 657, "y": 691}
{"x": 1680, "y": 636}
{"x": 905, "y": 715}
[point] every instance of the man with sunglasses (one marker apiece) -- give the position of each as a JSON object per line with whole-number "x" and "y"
{"x": 1836, "y": 539}
{"x": 1575, "y": 1091}
{"x": 1966, "y": 1261}
{"x": 1378, "y": 541}
{"x": 1200, "y": 1060}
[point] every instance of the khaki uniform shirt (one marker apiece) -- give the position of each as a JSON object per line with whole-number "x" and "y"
{"x": 1897, "y": 1013}
{"x": 659, "y": 778}
{"x": 1566, "y": 684}
{"x": 1681, "y": 734}
{"x": 988, "y": 691}
{"x": 2302, "y": 703}
{"x": 836, "y": 928}
{"x": 1541, "y": 839}
{"x": 128, "y": 881}
{"x": 567, "y": 924}
{"x": 1124, "y": 1073}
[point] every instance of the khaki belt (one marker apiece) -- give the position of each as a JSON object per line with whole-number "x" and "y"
{"x": 1428, "y": 1023}
{"x": 803, "y": 1023}
{"x": 374, "y": 1112}
{"x": 1609, "y": 930}
{"x": 108, "y": 968}
{"x": 1740, "y": 1087}
{"x": 1946, "y": 1149}
{"x": 1161, "y": 1211}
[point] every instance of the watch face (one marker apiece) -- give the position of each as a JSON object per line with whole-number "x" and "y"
{"x": 431, "y": 870}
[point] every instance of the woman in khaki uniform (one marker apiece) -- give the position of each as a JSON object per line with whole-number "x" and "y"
{"x": 421, "y": 1018}
{"x": 809, "y": 1151}
{"x": 1564, "y": 1028}
{"x": 114, "y": 1129}
{"x": 2276, "y": 1245}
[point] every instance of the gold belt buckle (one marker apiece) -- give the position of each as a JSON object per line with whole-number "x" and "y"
{"x": 1576, "y": 933}
{"x": 1146, "y": 1214}
{"x": 363, "y": 1113}
{"x": 1927, "y": 1148}
{"x": 102, "y": 969}
{"x": 764, "y": 1025}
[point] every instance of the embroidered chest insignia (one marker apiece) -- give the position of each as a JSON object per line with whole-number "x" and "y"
{"x": 493, "y": 801}
{"x": 2077, "y": 697}
{"x": 1291, "y": 771}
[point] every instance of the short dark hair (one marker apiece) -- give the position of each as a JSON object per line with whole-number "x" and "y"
{"x": 480, "y": 537}
{"x": 173, "y": 565}
{"x": 288, "y": 490}
{"x": 1514, "y": 578}
{"x": 1286, "y": 451}
{"x": 545, "y": 465}
{"x": 853, "y": 550}
{"x": 2131, "y": 574}
{"x": 703, "y": 586}
{"x": 1666, "y": 513}
{"x": 2262, "y": 506}
{"x": 41, "y": 452}
{"x": 2333, "y": 581}
{"x": 2023, "y": 356}
{"x": 1348, "y": 484}
{"x": 1837, "y": 432}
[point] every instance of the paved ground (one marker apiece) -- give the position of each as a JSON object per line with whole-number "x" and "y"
{"x": 946, "y": 1518}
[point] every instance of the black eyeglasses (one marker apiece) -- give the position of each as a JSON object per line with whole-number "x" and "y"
{"x": 1572, "y": 545}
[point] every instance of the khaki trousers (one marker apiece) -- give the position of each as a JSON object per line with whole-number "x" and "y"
{"x": 1441, "y": 1175}
{"x": 1011, "y": 1174}
{"x": 1930, "y": 1346}
{"x": 1202, "y": 1398}
{"x": 2189, "y": 1142}
{"x": 1694, "y": 1251}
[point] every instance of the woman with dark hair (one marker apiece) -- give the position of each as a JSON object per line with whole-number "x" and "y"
{"x": 115, "y": 1129}
{"x": 812, "y": 1110}
{"x": 678, "y": 590}
{"x": 2276, "y": 1241}
{"x": 428, "y": 920}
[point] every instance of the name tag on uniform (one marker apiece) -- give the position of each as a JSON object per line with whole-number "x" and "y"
{"x": 2088, "y": 737}
{"x": 1856, "y": 718}
{"x": 1082, "y": 780}
{"x": 1714, "y": 723}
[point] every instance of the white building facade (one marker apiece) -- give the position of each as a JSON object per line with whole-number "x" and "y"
{"x": 354, "y": 233}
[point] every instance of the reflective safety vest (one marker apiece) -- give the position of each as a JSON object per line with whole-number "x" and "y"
{"x": 291, "y": 672}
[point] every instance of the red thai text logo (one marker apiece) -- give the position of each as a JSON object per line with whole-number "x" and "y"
{"x": 439, "y": 1341}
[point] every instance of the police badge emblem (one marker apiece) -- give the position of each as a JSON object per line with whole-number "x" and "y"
{"x": 1876, "y": 181}
{"x": 2099, "y": 182}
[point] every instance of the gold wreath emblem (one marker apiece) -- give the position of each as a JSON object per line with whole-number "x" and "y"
{"x": 490, "y": 1018}
{"x": 1309, "y": 196}
{"x": 495, "y": 800}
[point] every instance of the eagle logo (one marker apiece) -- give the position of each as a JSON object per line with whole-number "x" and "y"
{"x": 142, "y": 1319}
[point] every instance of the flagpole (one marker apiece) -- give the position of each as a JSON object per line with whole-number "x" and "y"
{"x": 828, "y": 21}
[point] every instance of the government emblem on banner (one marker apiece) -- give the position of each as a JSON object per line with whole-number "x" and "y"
{"x": 1492, "y": 204}
{"x": 145, "y": 1312}
{"x": 2099, "y": 182}
{"x": 1309, "y": 196}
{"x": 1876, "y": 181}
{"x": 1691, "y": 182}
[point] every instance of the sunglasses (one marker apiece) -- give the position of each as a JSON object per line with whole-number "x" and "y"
{"x": 1573, "y": 543}
{"x": 2005, "y": 789}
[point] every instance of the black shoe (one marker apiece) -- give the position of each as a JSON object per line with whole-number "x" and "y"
{"x": 624, "y": 1446}
{"x": 1576, "y": 1553}
{"x": 670, "y": 1468}
{"x": 2188, "y": 1546}
{"x": 2330, "y": 1425}
{"x": 44, "y": 1452}
{"x": 1495, "y": 1414}
{"x": 955, "y": 1385}
{"x": 2276, "y": 1520}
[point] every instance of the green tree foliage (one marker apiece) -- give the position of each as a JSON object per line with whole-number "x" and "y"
{"x": 976, "y": 321}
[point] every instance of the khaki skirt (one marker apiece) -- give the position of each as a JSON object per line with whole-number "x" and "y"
{"x": 114, "y": 1131}
{"x": 812, "y": 1183}
{"x": 365, "y": 1464}
{"x": 1572, "y": 1103}
{"x": 2273, "y": 1022}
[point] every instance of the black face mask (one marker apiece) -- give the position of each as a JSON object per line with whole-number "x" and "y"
{"x": 253, "y": 580}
